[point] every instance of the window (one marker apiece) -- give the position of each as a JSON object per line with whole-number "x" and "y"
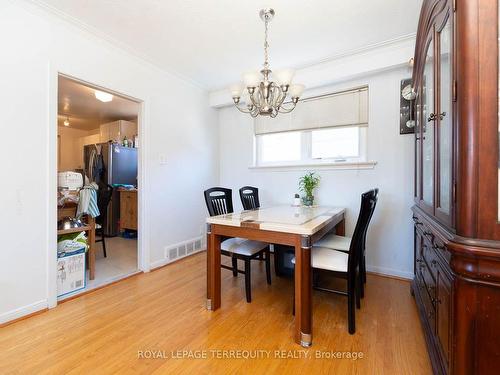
{"x": 331, "y": 145}
{"x": 326, "y": 129}
{"x": 338, "y": 143}
{"x": 280, "y": 147}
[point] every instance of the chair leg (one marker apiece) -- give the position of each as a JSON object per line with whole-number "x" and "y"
{"x": 363, "y": 268}
{"x": 247, "y": 281}
{"x": 315, "y": 278}
{"x": 235, "y": 266}
{"x": 357, "y": 291}
{"x": 268, "y": 266}
{"x": 351, "y": 312}
{"x": 104, "y": 245}
{"x": 361, "y": 284}
{"x": 276, "y": 264}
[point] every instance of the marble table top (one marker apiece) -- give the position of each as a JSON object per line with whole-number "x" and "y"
{"x": 289, "y": 219}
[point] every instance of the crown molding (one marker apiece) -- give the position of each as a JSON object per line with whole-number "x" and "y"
{"x": 349, "y": 65}
{"x": 32, "y": 5}
{"x": 358, "y": 51}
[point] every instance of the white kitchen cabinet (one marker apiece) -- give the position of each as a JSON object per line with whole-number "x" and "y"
{"x": 117, "y": 130}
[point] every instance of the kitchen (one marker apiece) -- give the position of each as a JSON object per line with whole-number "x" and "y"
{"x": 97, "y": 187}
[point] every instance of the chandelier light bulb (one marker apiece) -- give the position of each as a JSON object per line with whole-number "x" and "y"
{"x": 251, "y": 79}
{"x": 236, "y": 90}
{"x": 296, "y": 90}
{"x": 283, "y": 77}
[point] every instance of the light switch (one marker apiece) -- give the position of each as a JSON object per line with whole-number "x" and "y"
{"x": 163, "y": 159}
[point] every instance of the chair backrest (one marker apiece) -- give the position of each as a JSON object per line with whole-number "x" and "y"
{"x": 249, "y": 197}
{"x": 219, "y": 201}
{"x": 375, "y": 194}
{"x": 104, "y": 195}
{"x": 368, "y": 203}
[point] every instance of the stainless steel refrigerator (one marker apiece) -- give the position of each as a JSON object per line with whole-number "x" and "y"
{"x": 115, "y": 164}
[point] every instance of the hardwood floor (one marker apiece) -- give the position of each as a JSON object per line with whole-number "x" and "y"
{"x": 164, "y": 311}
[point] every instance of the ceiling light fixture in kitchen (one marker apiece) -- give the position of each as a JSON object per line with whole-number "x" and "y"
{"x": 265, "y": 96}
{"x": 103, "y": 96}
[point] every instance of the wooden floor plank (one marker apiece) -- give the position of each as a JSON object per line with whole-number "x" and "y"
{"x": 164, "y": 311}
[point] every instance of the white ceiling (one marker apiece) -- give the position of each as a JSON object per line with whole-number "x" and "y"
{"x": 212, "y": 41}
{"x": 78, "y": 102}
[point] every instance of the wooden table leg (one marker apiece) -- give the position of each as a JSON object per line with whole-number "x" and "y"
{"x": 91, "y": 243}
{"x": 303, "y": 291}
{"x": 340, "y": 228}
{"x": 213, "y": 270}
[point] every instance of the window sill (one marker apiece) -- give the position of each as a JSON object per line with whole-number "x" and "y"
{"x": 317, "y": 166}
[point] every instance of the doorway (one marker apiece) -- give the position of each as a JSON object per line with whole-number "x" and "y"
{"x": 98, "y": 185}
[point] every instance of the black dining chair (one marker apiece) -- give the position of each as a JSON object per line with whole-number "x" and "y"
{"x": 342, "y": 243}
{"x": 104, "y": 195}
{"x": 219, "y": 202}
{"x": 249, "y": 196}
{"x": 346, "y": 265}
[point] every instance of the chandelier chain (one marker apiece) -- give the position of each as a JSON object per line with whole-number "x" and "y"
{"x": 266, "y": 44}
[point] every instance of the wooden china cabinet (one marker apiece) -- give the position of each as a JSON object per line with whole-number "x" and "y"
{"x": 456, "y": 211}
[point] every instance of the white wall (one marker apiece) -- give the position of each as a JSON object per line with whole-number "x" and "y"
{"x": 178, "y": 124}
{"x": 390, "y": 238}
{"x": 71, "y": 147}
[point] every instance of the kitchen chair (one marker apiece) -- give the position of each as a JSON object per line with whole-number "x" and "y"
{"x": 342, "y": 243}
{"x": 249, "y": 196}
{"x": 346, "y": 265}
{"x": 104, "y": 195}
{"x": 219, "y": 201}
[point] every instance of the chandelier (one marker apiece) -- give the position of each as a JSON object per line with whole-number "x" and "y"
{"x": 266, "y": 95}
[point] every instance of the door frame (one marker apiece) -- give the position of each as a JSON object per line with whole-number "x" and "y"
{"x": 143, "y": 254}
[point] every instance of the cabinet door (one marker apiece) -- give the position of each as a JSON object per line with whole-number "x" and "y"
{"x": 443, "y": 299}
{"x": 428, "y": 121}
{"x": 444, "y": 117}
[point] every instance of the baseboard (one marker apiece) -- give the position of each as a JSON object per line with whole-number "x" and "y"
{"x": 390, "y": 272}
{"x": 10, "y": 317}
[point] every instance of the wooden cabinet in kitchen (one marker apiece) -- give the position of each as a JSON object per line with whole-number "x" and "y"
{"x": 128, "y": 209}
{"x": 117, "y": 130}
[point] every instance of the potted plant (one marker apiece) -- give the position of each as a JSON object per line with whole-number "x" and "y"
{"x": 307, "y": 184}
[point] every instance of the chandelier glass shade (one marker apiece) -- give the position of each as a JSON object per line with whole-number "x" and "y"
{"x": 264, "y": 93}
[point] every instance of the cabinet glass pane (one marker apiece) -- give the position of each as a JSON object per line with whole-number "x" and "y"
{"x": 418, "y": 122}
{"x": 445, "y": 124}
{"x": 428, "y": 128}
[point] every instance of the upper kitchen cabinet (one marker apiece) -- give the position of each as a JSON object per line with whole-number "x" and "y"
{"x": 116, "y": 131}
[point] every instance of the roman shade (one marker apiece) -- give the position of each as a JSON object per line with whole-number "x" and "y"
{"x": 345, "y": 108}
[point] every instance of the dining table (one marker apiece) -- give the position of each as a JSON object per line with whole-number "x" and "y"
{"x": 299, "y": 227}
